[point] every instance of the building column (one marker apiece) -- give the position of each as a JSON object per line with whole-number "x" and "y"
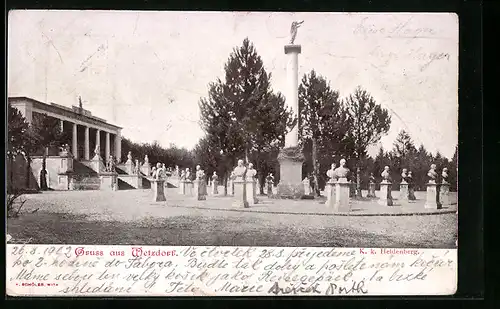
{"x": 62, "y": 125}
{"x": 118, "y": 146}
{"x": 98, "y": 140}
{"x": 87, "y": 144}
{"x": 75, "y": 141}
{"x": 26, "y": 109}
{"x": 108, "y": 150}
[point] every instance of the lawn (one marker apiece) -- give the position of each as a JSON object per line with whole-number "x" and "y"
{"x": 92, "y": 218}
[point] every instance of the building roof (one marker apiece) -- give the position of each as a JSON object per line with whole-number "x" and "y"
{"x": 73, "y": 112}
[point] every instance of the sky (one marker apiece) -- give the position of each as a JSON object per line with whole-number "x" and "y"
{"x": 146, "y": 71}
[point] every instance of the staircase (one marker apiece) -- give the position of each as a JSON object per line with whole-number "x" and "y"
{"x": 85, "y": 178}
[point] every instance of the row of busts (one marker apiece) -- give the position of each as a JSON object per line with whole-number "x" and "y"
{"x": 340, "y": 172}
{"x": 407, "y": 177}
{"x": 199, "y": 174}
{"x": 241, "y": 172}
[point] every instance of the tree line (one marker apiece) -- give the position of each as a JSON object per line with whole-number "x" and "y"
{"x": 244, "y": 118}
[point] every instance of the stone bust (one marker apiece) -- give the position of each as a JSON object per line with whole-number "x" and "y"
{"x": 215, "y": 177}
{"x": 444, "y": 175}
{"x": 342, "y": 171}
{"x": 432, "y": 174}
{"x": 129, "y": 156}
{"x": 146, "y": 159}
{"x": 404, "y": 175}
{"x": 187, "y": 175}
{"x": 386, "y": 176}
{"x": 199, "y": 173}
{"x": 137, "y": 168}
{"x": 240, "y": 171}
{"x": 251, "y": 172}
{"x": 331, "y": 173}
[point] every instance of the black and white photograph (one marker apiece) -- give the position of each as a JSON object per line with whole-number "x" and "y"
{"x": 258, "y": 129}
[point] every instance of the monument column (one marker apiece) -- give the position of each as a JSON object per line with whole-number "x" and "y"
{"x": 87, "y": 145}
{"x": 291, "y": 157}
{"x": 75, "y": 141}
{"x": 118, "y": 146}
{"x": 107, "y": 150}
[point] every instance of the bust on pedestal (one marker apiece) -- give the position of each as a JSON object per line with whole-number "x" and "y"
{"x": 403, "y": 186}
{"x": 109, "y": 177}
{"x": 215, "y": 184}
{"x": 330, "y": 187}
{"x": 240, "y": 194}
{"x": 269, "y": 185}
{"x": 65, "y": 175}
{"x": 385, "y": 188}
{"x": 411, "y": 187}
{"x": 444, "y": 189}
{"x": 199, "y": 184}
{"x": 158, "y": 184}
{"x": 231, "y": 183}
{"x": 432, "y": 197}
{"x": 129, "y": 164}
{"x": 182, "y": 183}
{"x": 342, "y": 188}
{"x": 371, "y": 186}
{"x": 188, "y": 183}
{"x": 146, "y": 166}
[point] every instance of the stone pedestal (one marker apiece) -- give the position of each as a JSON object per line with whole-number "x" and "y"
{"x": 199, "y": 190}
{"x": 231, "y": 187}
{"x": 385, "y": 194}
{"x": 444, "y": 191}
{"x": 158, "y": 187}
{"x": 330, "y": 192}
{"x": 188, "y": 185}
{"x": 411, "y": 193}
{"x": 64, "y": 181}
{"x": 371, "y": 190}
{"x": 251, "y": 192}
{"x": 182, "y": 187}
{"x": 403, "y": 191}
{"x": 342, "y": 195}
{"x": 240, "y": 194}
{"x": 145, "y": 169}
{"x": 109, "y": 181}
{"x": 307, "y": 186}
{"x": 352, "y": 190}
{"x": 66, "y": 165}
{"x": 290, "y": 185}
{"x": 269, "y": 190}
{"x": 432, "y": 197}
{"x": 214, "y": 189}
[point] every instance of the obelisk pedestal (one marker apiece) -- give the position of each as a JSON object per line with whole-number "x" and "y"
{"x": 291, "y": 157}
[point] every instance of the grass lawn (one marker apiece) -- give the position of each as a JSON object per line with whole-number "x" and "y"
{"x": 238, "y": 230}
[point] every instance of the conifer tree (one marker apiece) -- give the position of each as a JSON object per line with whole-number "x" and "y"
{"x": 369, "y": 121}
{"x": 242, "y": 115}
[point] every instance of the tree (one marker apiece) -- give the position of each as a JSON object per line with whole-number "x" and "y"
{"x": 17, "y": 127}
{"x": 322, "y": 120}
{"x": 242, "y": 115}
{"x": 403, "y": 145}
{"x": 369, "y": 121}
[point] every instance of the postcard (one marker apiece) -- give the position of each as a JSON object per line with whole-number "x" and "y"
{"x": 171, "y": 153}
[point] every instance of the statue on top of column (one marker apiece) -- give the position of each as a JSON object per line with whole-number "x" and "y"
{"x": 97, "y": 150}
{"x": 293, "y": 30}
